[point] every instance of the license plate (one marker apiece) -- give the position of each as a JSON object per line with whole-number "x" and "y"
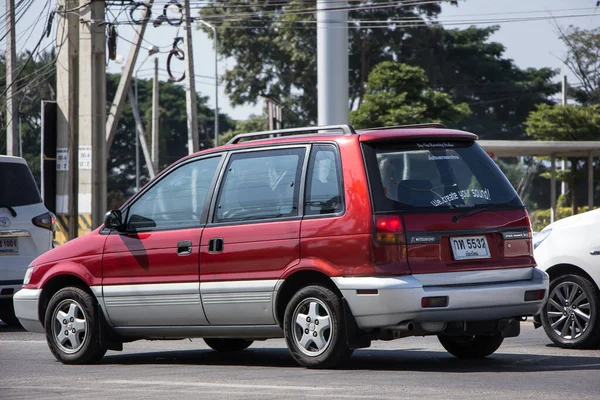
{"x": 469, "y": 248}
{"x": 9, "y": 246}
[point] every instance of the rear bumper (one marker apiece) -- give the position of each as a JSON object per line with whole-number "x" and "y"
{"x": 398, "y": 299}
{"x": 26, "y": 303}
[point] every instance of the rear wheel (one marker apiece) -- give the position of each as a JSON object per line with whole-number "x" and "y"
{"x": 72, "y": 330}
{"x": 474, "y": 346}
{"x": 570, "y": 316}
{"x": 228, "y": 345}
{"x": 314, "y": 328}
{"x": 7, "y": 314}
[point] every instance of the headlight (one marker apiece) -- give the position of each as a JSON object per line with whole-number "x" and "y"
{"x": 539, "y": 237}
{"x": 27, "y": 276}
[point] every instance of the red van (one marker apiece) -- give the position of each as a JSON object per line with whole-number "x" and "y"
{"x": 326, "y": 236}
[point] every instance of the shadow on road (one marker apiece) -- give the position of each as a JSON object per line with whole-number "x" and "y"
{"x": 7, "y": 329}
{"x": 367, "y": 359}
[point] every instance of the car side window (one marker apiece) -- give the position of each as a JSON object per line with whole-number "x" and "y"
{"x": 261, "y": 185}
{"x": 323, "y": 187}
{"x": 177, "y": 200}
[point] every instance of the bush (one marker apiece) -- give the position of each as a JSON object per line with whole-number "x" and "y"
{"x": 541, "y": 218}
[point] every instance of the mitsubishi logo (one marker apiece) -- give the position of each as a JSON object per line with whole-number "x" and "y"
{"x": 4, "y": 222}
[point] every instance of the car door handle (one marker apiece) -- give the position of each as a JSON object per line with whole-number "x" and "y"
{"x": 184, "y": 247}
{"x": 595, "y": 252}
{"x": 216, "y": 245}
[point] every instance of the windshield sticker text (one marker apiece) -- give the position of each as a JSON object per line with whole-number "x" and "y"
{"x": 462, "y": 194}
{"x": 435, "y": 145}
{"x": 448, "y": 157}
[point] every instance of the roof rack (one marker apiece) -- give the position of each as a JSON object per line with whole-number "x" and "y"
{"x": 346, "y": 130}
{"x": 428, "y": 125}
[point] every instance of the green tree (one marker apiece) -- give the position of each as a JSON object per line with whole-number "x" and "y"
{"x": 254, "y": 123}
{"x": 471, "y": 68}
{"x": 566, "y": 123}
{"x": 583, "y": 59}
{"x": 275, "y": 51}
{"x": 399, "y": 94}
{"x": 275, "y": 46}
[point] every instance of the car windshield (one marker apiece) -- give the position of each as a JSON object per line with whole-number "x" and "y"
{"x": 435, "y": 175}
{"x": 17, "y": 187}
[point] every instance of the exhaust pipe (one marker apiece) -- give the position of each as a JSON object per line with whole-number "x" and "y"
{"x": 406, "y": 326}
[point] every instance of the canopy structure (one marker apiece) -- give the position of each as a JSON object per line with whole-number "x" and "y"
{"x": 552, "y": 149}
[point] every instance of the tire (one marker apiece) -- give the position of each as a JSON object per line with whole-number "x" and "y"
{"x": 7, "y": 314}
{"x": 74, "y": 311}
{"x": 476, "y": 346}
{"x": 228, "y": 345}
{"x": 576, "y": 299}
{"x": 314, "y": 328}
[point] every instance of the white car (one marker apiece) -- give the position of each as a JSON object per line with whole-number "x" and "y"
{"x": 25, "y": 229}
{"x": 569, "y": 251}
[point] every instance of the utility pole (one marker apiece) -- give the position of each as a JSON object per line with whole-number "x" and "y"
{"x": 12, "y": 141}
{"x": 92, "y": 112}
{"x": 565, "y": 86}
{"x": 155, "y": 116}
{"x": 67, "y": 99}
{"x": 190, "y": 80}
{"x": 332, "y": 62}
{"x": 214, "y": 29}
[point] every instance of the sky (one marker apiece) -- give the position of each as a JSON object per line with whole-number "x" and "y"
{"x": 529, "y": 44}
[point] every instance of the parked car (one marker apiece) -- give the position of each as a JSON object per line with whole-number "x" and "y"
{"x": 326, "y": 236}
{"x": 568, "y": 250}
{"x": 25, "y": 229}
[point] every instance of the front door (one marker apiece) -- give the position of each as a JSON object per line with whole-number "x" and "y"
{"x": 150, "y": 271}
{"x": 253, "y": 235}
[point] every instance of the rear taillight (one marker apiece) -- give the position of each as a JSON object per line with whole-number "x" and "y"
{"x": 389, "y": 229}
{"x": 528, "y": 222}
{"x": 46, "y": 221}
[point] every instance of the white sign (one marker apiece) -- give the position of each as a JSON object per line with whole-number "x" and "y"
{"x": 85, "y": 157}
{"x": 62, "y": 159}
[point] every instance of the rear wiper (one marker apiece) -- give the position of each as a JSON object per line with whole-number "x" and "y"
{"x": 472, "y": 211}
{"x": 9, "y": 208}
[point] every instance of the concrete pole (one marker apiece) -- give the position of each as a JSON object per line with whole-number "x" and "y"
{"x": 12, "y": 139}
{"x": 190, "y": 80}
{"x": 155, "y": 116}
{"x": 141, "y": 134}
{"x": 125, "y": 81}
{"x": 552, "y": 189}
{"x": 563, "y": 165}
{"x": 92, "y": 112}
{"x": 332, "y": 62}
{"x": 67, "y": 99}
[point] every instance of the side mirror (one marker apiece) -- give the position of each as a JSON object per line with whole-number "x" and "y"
{"x": 114, "y": 220}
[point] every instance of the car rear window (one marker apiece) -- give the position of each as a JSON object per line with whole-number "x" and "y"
{"x": 17, "y": 187}
{"x": 435, "y": 175}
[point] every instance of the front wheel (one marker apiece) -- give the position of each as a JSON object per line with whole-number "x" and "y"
{"x": 314, "y": 328}
{"x": 228, "y": 345}
{"x": 474, "y": 346}
{"x": 71, "y": 324}
{"x": 570, "y": 316}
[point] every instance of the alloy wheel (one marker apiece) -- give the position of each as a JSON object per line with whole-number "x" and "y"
{"x": 568, "y": 310}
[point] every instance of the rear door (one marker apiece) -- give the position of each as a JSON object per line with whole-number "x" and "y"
{"x": 20, "y": 203}
{"x": 151, "y": 271}
{"x": 459, "y": 212}
{"x": 253, "y": 234}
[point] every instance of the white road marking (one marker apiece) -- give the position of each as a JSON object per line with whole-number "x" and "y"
{"x": 216, "y": 384}
{"x": 22, "y": 341}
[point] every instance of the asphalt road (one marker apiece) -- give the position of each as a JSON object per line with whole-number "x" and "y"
{"x": 527, "y": 367}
